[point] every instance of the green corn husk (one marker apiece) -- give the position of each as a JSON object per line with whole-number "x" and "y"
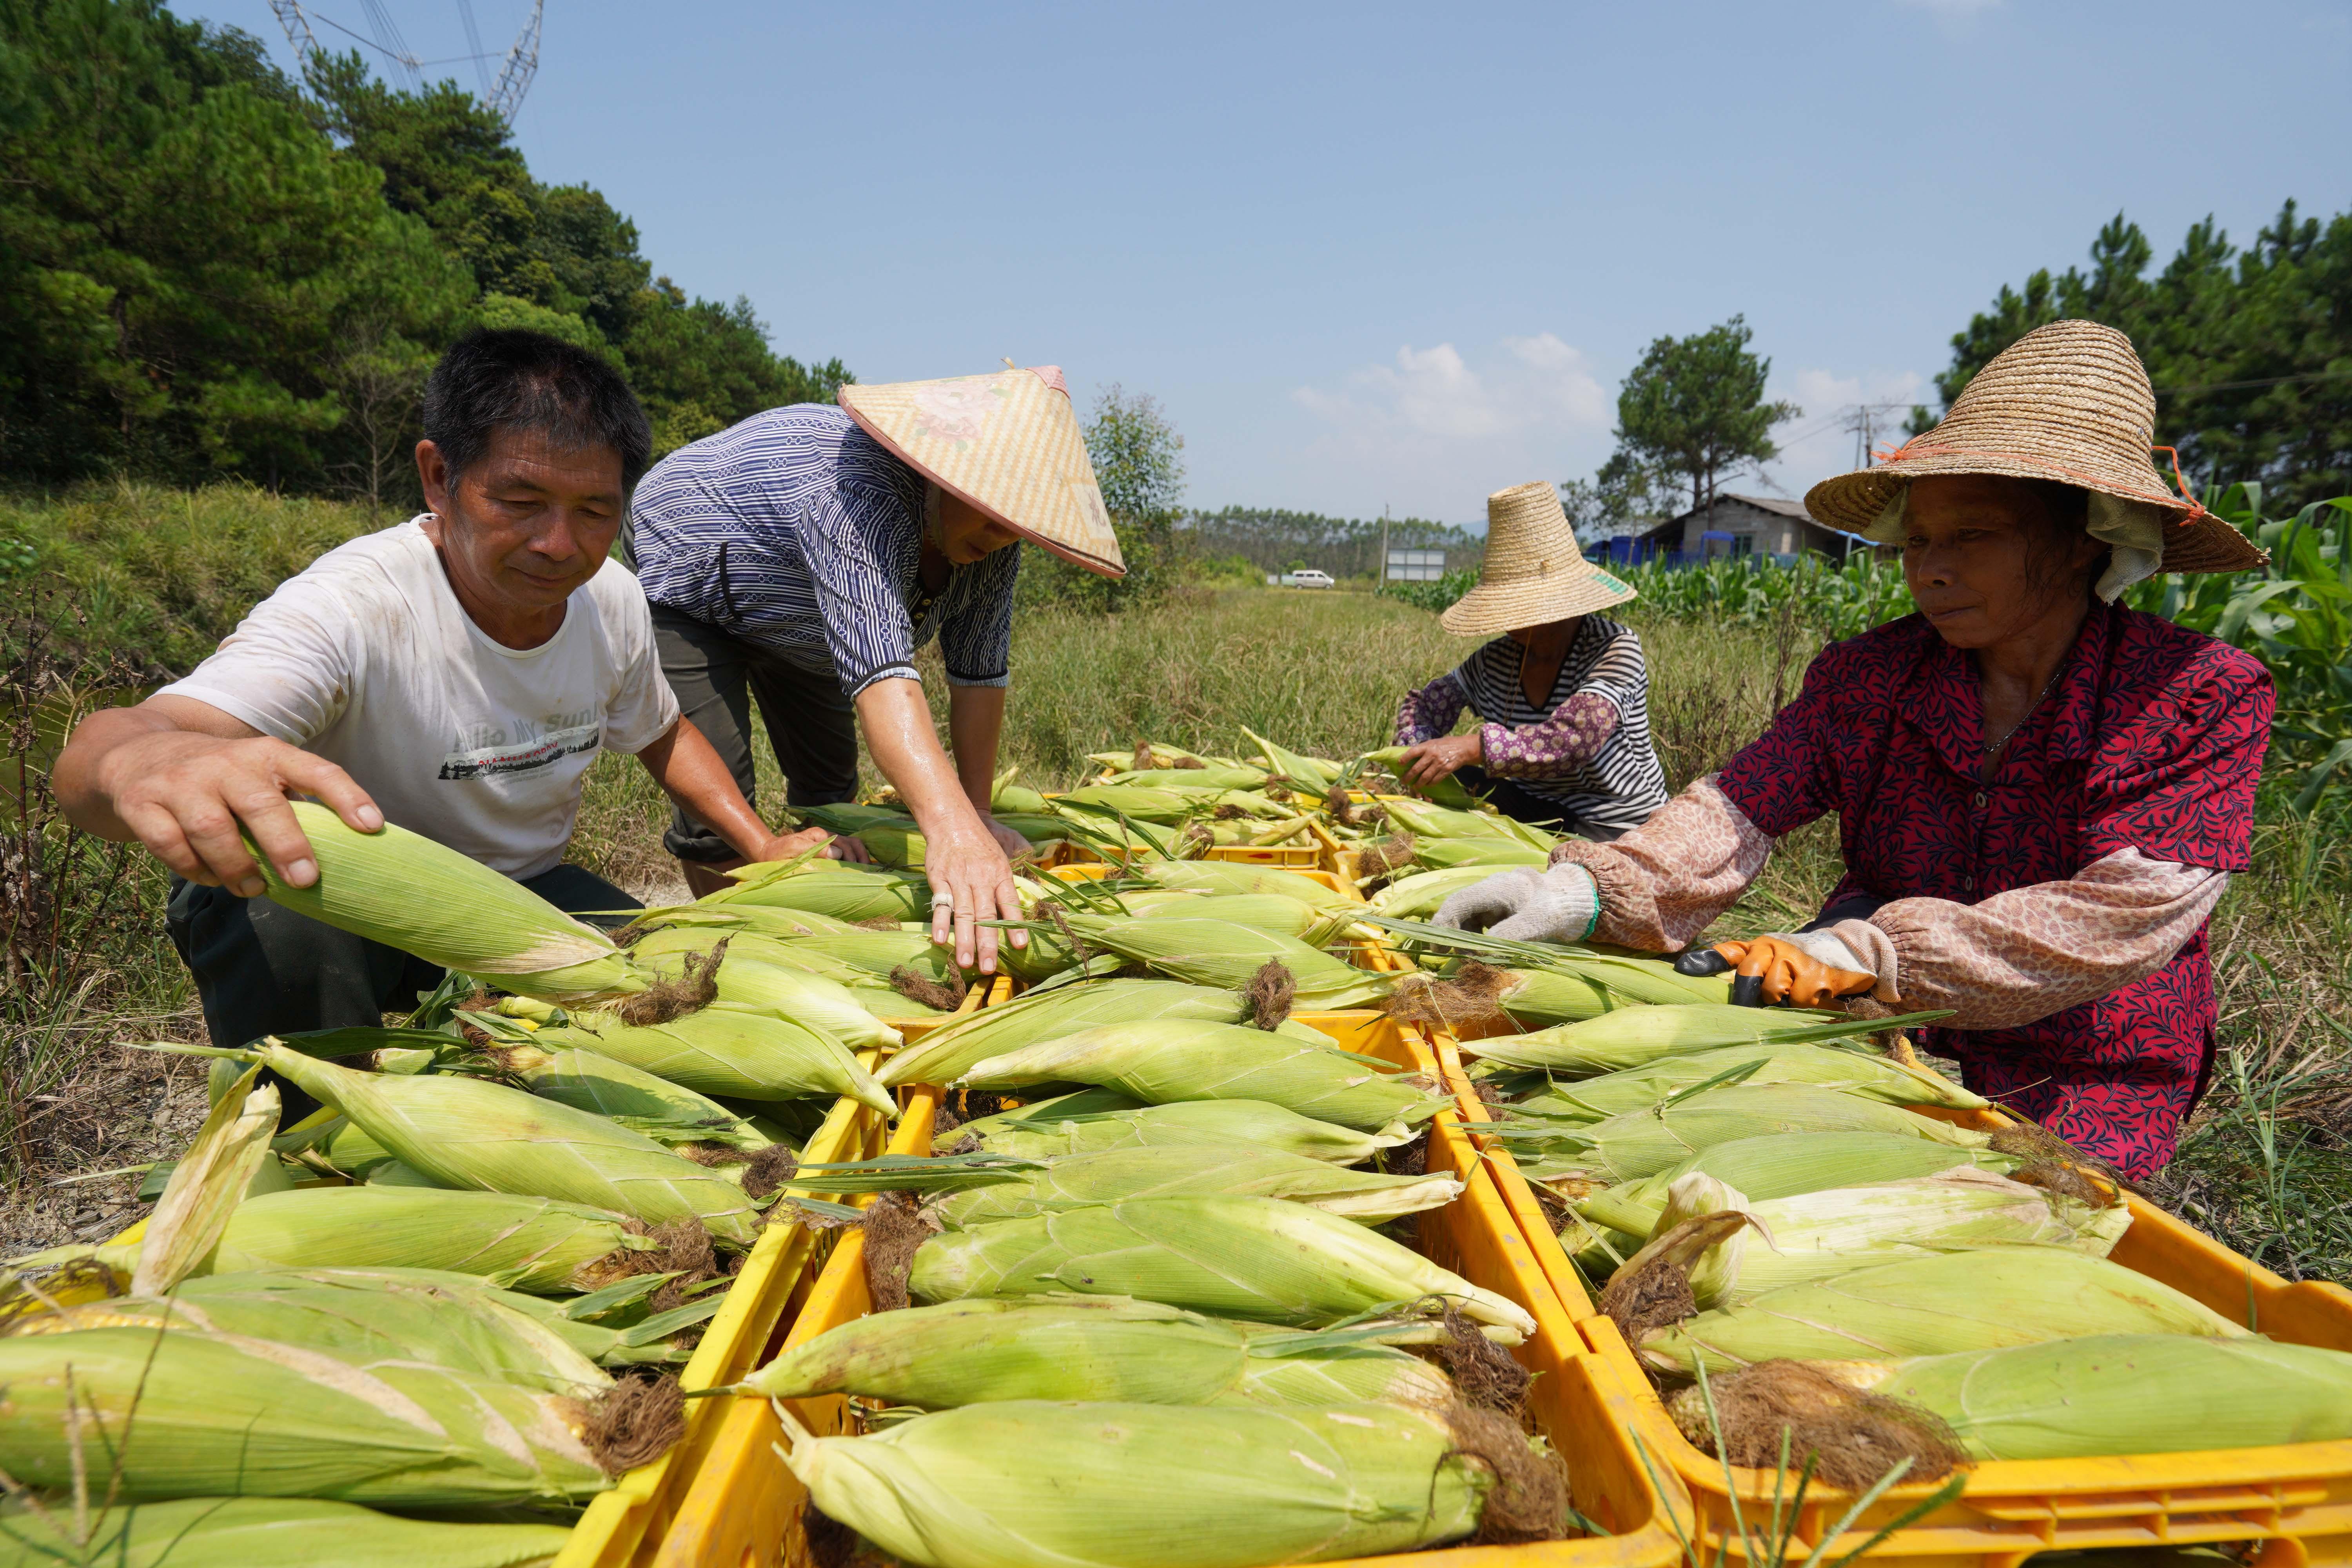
{"x": 467, "y": 1133}
{"x": 447, "y": 1321}
{"x": 1937, "y": 1305}
{"x": 1199, "y": 1170}
{"x": 216, "y": 1417}
{"x": 1233, "y": 876}
{"x": 898, "y": 845}
{"x": 1494, "y": 853}
{"x": 1785, "y": 1164}
{"x": 849, "y": 817}
{"x": 392, "y": 1173}
{"x": 1009, "y": 797}
{"x": 1213, "y": 953}
{"x": 2126, "y": 1394}
{"x": 1621, "y": 979}
{"x": 1094, "y": 1348}
{"x": 870, "y": 989}
{"x": 406, "y": 892}
{"x": 1419, "y": 895}
{"x": 1036, "y": 827}
{"x": 947, "y": 1053}
{"x": 1258, "y": 1259}
{"x": 1140, "y": 803}
{"x": 1186, "y": 1058}
{"x": 1424, "y": 820}
{"x": 1643, "y": 1142}
{"x": 808, "y": 1002}
{"x": 536, "y": 1245}
{"x": 591, "y": 1081}
{"x": 728, "y": 1050}
{"x": 1313, "y": 775}
{"x": 1016, "y": 1484}
{"x": 207, "y": 1184}
{"x": 1635, "y": 1037}
{"x": 835, "y": 887}
{"x": 1042, "y": 1131}
{"x": 1854, "y": 1073}
{"x": 1190, "y": 779}
{"x": 269, "y": 1532}
{"x": 1269, "y": 912}
{"x": 881, "y": 952}
{"x": 1815, "y": 1236}
{"x": 740, "y": 920}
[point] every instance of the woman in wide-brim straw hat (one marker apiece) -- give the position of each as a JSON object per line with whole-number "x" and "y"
{"x": 1563, "y": 692}
{"x": 801, "y": 557}
{"x": 2039, "y": 793}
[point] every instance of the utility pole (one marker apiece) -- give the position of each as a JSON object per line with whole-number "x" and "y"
{"x": 1382, "y": 581}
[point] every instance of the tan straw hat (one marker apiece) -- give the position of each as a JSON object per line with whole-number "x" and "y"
{"x": 1534, "y": 572}
{"x": 2070, "y": 402}
{"x": 1008, "y": 443}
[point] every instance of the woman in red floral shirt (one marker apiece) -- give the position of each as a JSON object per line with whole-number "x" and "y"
{"x": 2040, "y": 794}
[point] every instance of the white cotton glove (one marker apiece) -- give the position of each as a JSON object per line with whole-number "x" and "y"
{"x": 1561, "y": 904}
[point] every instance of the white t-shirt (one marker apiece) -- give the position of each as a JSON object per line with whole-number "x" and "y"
{"x": 367, "y": 659}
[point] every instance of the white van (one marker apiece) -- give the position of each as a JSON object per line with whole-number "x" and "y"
{"x": 1309, "y": 578}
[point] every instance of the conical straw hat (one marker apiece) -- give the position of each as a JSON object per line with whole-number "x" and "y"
{"x": 1008, "y": 443}
{"x": 2070, "y": 402}
{"x": 1534, "y": 572}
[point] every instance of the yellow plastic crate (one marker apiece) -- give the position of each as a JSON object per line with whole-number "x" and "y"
{"x": 2289, "y": 1505}
{"x": 743, "y": 1509}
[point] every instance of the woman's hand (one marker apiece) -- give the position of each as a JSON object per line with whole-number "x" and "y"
{"x": 1424, "y": 764}
{"x": 1802, "y": 969}
{"x": 972, "y": 881}
{"x": 1012, "y": 843}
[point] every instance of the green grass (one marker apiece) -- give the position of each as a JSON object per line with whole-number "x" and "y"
{"x": 2266, "y": 1166}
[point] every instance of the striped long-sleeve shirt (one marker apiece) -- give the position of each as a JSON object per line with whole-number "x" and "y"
{"x": 797, "y": 531}
{"x": 1585, "y": 749}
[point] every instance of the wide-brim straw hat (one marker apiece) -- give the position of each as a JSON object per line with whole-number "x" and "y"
{"x": 1534, "y": 572}
{"x": 1008, "y": 443}
{"x": 2070, "y": 402}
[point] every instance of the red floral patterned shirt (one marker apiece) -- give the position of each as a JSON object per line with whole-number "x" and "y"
{"x": 2152, "y": 738}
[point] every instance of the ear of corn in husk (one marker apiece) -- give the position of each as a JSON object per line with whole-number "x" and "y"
{"x": 1042, "y": 1131}
{"x": 1863, "y": 1073}
{"x": 530, "y": 1244}
{"x": 1094, "y": 1348}
{"x": 1025, "y": 1481}
{"x": 356, "y": 1317}
{"x": 1215, "y": 953}
{"x": 467, "y": 1133}
{"x": 1174, "y": 1060}
{"x": 269, "y": 1532}
{"x": 2124, "y": 1393}
{"x": 1425, "y": 819}
{"x": 207, "y": 1184}
{"x": 947, "y": 1053}
{"x": 1635, "y": 1037}
{"x": 1211, "y": 779}
{"x": 1814, "y": 1236}
{"x": 1420, "y": 895}
{"x": 1643, "y": 1142}
{"x": 1009, "y": 797}
{"x": 739, "y": 919}
{"x": 408, "y": 892}
{"x": 1259, "y": 1259}
{"x": 1781, "y": 1165}
{"x": 723, "y": 1049}
{"x": 1448, "y": 792}
{"x": 1199, "y": 1170}
{"x": 1494, "y": 853}
{"x": 1232, "y": 877}
{"x": 218, "y": 1416}
{"x": 870, "y": 988}
{"x": 835, "y": 888}
{"x": 588, "y": 1080}
{"x": 1940, "y": 1304}
{"x": 806, "y": 1001}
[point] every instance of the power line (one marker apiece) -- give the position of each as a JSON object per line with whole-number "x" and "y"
{"x": 2266, "y": 381}
{"x": 474, "y": 42}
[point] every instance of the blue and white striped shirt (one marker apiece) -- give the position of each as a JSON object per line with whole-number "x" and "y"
{"x": 797, "y": 531}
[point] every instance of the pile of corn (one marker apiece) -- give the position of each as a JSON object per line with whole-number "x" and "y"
{"x": 1157, "y": 1310}
{"x": 1791, "y": 1240}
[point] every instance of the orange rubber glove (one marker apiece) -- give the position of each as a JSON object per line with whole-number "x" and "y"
{"x": 1805, "y": 969}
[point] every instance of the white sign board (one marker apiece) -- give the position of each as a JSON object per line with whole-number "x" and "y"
{"x": 1416, "y": 566}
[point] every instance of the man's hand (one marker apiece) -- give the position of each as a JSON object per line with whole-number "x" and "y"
{"x": 970, "y": 881}
{"x": 1424, "y": 764}
{"x": 784, "y": 846}
{"x": 1802, "y": 969}
{"x": 1522, "y": 904}
{"x": 184, "y": 794}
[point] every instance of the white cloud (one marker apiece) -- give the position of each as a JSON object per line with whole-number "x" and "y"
{"x": 1435, "y": 429}
{"x": 1825, "y": 439}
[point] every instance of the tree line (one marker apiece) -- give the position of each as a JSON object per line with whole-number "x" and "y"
{"x": 208, "y": 270}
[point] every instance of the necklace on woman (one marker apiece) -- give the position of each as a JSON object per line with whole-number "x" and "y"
{"x": 2002, "y": 739}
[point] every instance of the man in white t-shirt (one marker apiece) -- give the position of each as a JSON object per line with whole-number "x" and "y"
{"x": 456, "y": 675}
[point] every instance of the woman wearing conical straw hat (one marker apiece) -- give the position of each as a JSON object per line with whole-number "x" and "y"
{"x": 1563, "y": 692}
{"x": 2039, "y": 793}
{"x": 801, "y": 557}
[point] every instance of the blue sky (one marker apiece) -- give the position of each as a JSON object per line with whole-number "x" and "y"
{"x": 1370, "y": 255}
